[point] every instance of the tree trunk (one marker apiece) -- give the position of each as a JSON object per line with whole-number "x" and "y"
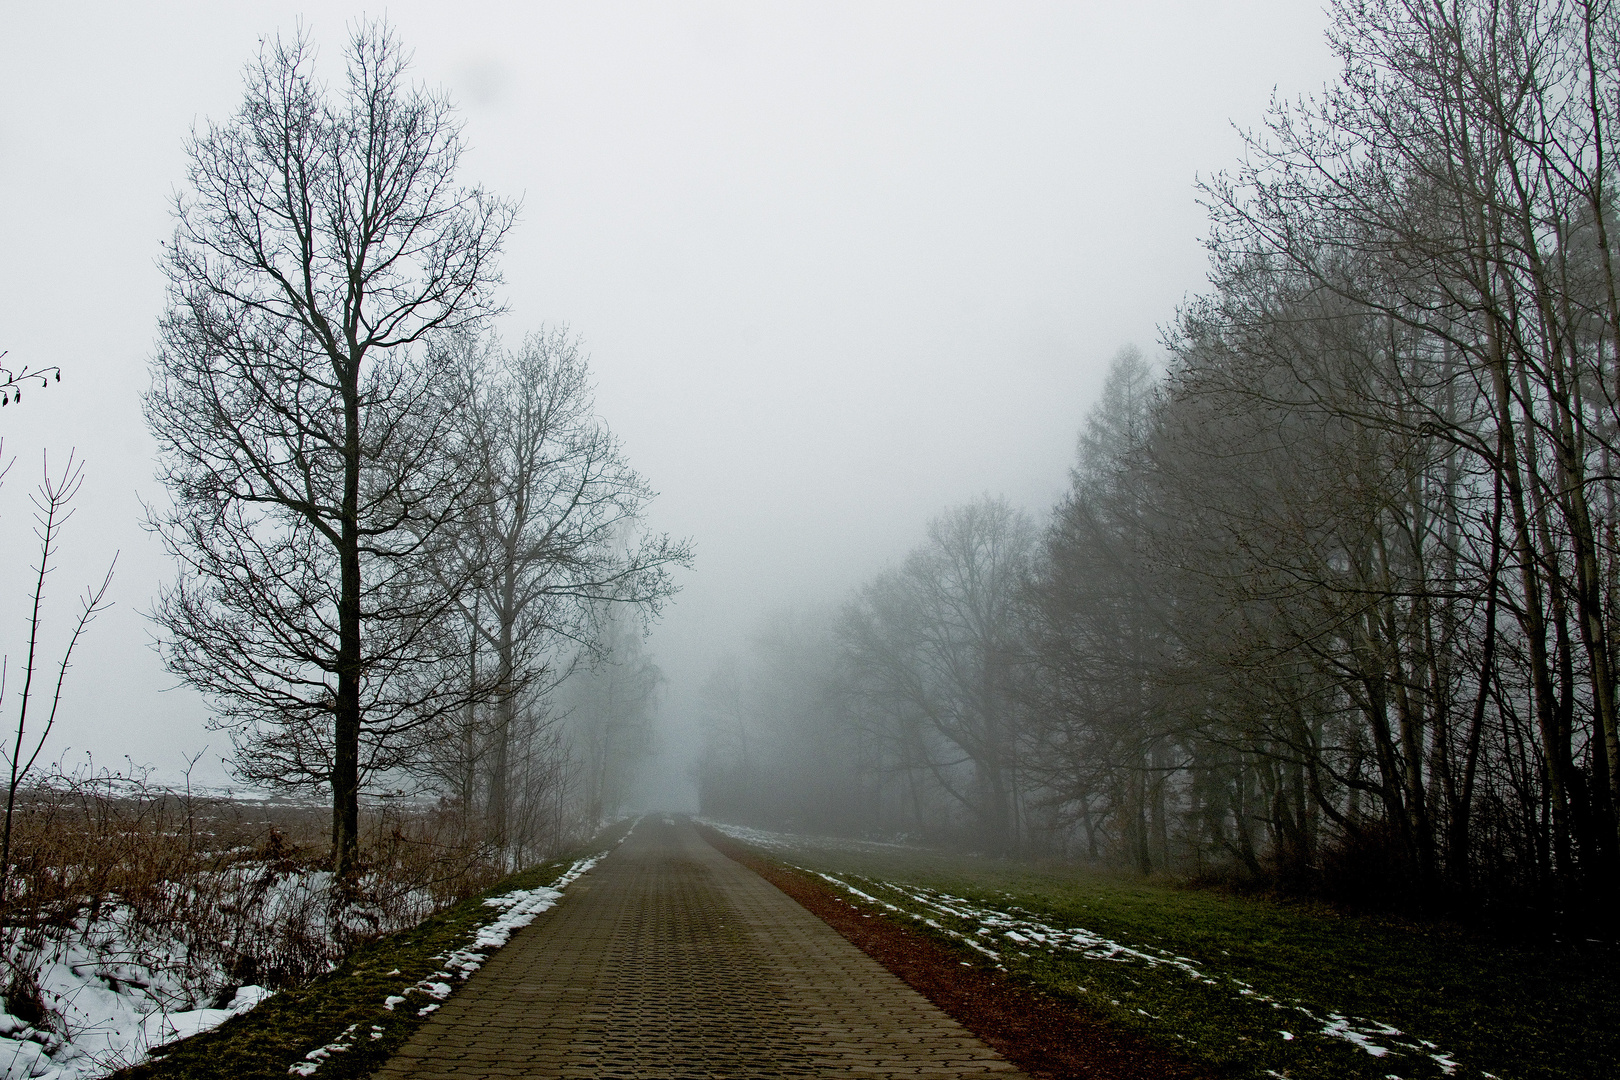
{"x": 346, "y": 713}
{"x": 1532, "y": 615}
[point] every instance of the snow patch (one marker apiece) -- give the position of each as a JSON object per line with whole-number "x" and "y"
{"x": 518, "y": 909}
{"x": 983, "y": 925}
{"x": 788, "y": 842}
{"x": 112, "y": 988}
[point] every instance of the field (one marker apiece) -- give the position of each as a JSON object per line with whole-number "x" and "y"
{"x": 136, "y": 915}
{"x": 1247, "y": 987}
{"x": 1236, "y": 986}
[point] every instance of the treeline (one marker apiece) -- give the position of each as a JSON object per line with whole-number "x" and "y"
{"x": 410, "y": 557}
{"x": 1334, "y": 599}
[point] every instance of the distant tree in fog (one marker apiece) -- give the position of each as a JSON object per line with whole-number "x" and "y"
{"x": 1094, "y": 625}
{"x": 607, "y": 705}
{"x": 779, "y": 744}
{"x": 725, "y": 772}
{"x": 321, "y": 246}
{"x": 546, "y": 542}
{"x": 934, "y": 646}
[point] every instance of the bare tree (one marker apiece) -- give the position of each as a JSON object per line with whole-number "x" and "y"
{"x": 547, "y": 538}
{"x": 1094, "y": 621}
{"x": 936, "y": 644}
{"x": 53, "y": 506}
{"x": 320, "y": 243}
{"x": 13, "y": 381}
{"x": 1453, "y": 186}
{"x": 780, "y": 744}
{"x": 608, "y": 703}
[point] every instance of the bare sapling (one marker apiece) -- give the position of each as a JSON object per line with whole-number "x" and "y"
{"x": 52, "y": 508}
{"x": 12, "y": 381}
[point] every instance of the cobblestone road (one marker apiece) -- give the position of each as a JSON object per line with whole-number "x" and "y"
{"x": 670, "y": 960}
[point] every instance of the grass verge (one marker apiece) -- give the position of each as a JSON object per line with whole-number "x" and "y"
{"x": 1048, "y": 1039}
{"x": 1254, "y": 970}
{"x": 347, "y": 1005}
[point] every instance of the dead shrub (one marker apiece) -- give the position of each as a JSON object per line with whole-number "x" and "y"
{"x": 245, "y": 885}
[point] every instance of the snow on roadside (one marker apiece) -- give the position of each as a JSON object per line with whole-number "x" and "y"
{"x": 113, "y": 988}
{"x": 997, "y": 931}
{"x": 112, "y": 985}
{"x": 113, "y": 992}
{"x": 517, "y": 909}
{"x": 790, "y": 842}
{"x": 993, "y": 931}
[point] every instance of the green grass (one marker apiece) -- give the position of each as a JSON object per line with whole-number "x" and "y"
{"x": 1517, "y": 1012}
{"x": 264, "y": 1042}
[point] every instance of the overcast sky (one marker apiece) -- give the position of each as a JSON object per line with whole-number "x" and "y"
{"x": 838, "y": 266}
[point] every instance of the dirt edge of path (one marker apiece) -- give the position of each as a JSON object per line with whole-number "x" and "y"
{"x": 1047, "y": 1038}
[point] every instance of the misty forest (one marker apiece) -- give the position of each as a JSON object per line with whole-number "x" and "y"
{"x": 1300, "y": 705}
{"x": 1333, "y": 598}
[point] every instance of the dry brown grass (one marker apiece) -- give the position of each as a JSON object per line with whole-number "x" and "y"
{"x": 243, "y": 885}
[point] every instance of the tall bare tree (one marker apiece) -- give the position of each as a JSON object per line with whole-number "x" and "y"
{"x": 935, "y": 643}
{"x": 1094, "y": 624}
{"x": 549, "y": 535}
{"x": 321, "y": 242}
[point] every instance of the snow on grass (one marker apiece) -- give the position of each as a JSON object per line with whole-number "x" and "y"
{"x": 111, "y": 991}
{"x": 112, "y": 986}
{"x": 792, "y": 843}
{"x": 995, "y": 932}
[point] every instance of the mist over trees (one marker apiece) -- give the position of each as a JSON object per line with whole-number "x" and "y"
{"x": 608, "y": 705}
{"x": 1332, "y": 600}
{"x": 777, "y": 741}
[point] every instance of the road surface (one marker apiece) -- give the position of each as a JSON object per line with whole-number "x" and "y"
{"x": 669, "y": 960}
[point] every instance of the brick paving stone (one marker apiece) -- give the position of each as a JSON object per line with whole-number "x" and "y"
{"x": 669, "y": 960}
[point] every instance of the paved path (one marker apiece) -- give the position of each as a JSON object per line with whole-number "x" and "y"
{"x": 670, "y": 960}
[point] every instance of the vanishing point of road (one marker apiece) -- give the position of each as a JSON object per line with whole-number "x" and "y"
{"x": 669, "y": 960}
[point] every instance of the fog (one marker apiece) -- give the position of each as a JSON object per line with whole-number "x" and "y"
{"x": 838, "y": 267}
